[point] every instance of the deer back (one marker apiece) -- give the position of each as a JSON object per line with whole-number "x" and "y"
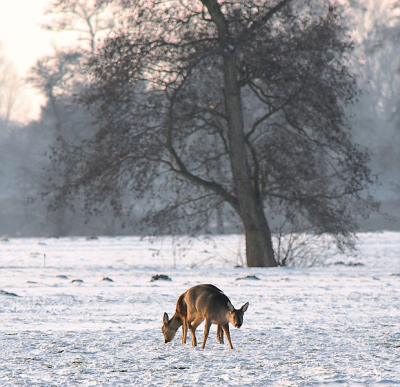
{"x": 212, "y": 304}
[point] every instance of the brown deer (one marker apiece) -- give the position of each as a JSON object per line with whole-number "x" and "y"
{"x": 203, "y": 302}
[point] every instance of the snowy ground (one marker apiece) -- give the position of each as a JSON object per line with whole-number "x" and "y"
{"x": 335, "y": 325}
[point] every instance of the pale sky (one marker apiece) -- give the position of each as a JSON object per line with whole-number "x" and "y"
{"x": 23, "y": 41}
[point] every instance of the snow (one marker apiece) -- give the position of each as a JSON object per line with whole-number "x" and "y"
{"x": 332, "y": 325}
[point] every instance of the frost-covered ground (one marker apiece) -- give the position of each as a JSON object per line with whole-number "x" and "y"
{"x": 335, "y": 325}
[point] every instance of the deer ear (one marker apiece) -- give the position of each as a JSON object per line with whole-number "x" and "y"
{"x": 230, "y": 306}
{"x": 244, "y": 307}
{"x": 165, "y": 318}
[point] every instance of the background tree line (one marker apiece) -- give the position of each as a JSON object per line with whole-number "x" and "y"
{"x": 182, "y": 179}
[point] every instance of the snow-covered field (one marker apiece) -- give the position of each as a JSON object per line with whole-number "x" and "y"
{"x": 86, "y": 312}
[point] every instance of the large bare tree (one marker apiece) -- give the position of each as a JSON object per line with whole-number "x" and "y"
{"x": 207, "y": 102}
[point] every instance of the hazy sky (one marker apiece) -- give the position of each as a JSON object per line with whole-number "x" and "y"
{"x": 24, "y": 41}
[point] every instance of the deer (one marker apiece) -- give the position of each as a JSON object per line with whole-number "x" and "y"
{"x": 199, "y": 303}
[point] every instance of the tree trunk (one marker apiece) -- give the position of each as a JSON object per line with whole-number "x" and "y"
{"x": 259, "y": 250}
{"x": 60, "y": 222}
{"x": 220, "y": 220}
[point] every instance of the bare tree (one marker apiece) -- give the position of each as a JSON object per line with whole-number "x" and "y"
{"x": 205, "y": 102}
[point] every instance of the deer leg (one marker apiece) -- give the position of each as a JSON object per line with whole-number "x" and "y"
{"x": 194, "y": 341}
{"x": 207, "y": 326}
{"x": 227, "y": 334}
{"x": 184, "y": 331}
{"x": 220, "y": 335}
{"x": 197, "y": 321}
{"x": 192, "y": 327}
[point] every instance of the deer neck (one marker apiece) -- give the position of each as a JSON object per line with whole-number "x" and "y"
{"x": 229, "y": 317}
{"x": 175, "y": 322}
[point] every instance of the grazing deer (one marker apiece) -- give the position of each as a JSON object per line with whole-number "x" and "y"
{"x": 179, "y": 318}
{"x": 203, "y": 302}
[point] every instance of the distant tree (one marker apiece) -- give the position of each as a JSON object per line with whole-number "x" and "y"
{"x": 90, "y": 19}
{"x": 56, "y": 77}
{"x": 60, "y": 77}
{"x": 11, "y": 99}
{"x": 206, "y": 102}
{"x": 390, "y": 38}
{"x": 376, "y": 59}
